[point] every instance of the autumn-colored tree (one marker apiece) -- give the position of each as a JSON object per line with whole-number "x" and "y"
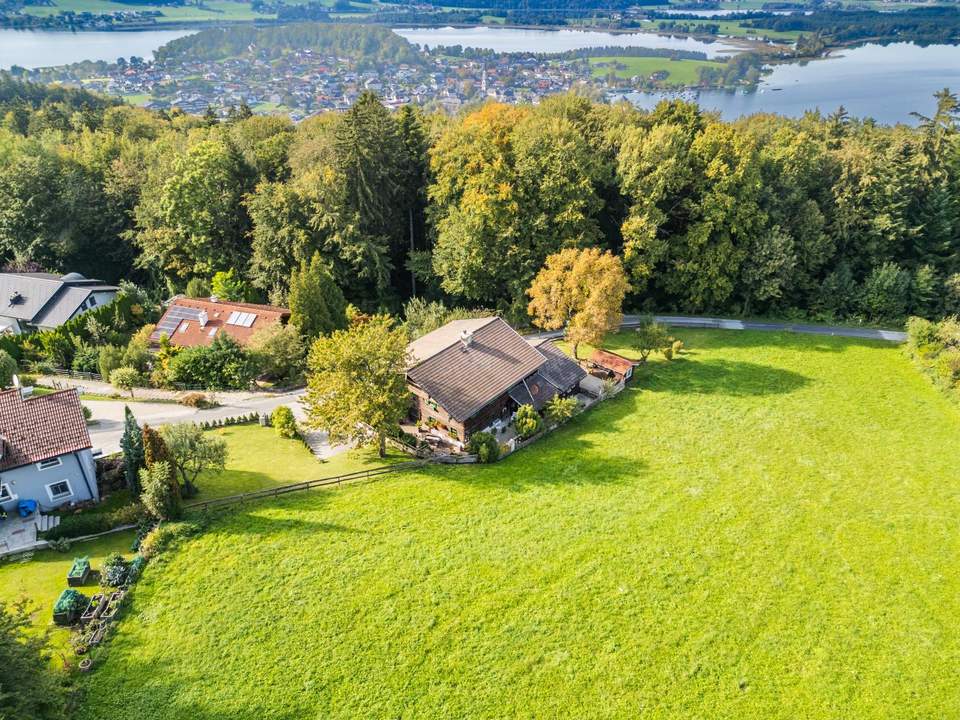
{"x": 581, "y": 291}
{"x": 357, "y": 380}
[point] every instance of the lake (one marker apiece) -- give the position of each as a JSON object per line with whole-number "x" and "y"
{"x": 882, "y": 82}
{"x": 44, "y": 48}
{"x": 553, "y": 41}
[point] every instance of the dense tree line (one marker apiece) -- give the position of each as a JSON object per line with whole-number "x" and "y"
{"x": 820, "y": 216}
{"x": 375, "y": 44}
{"x": 920, "y": 25}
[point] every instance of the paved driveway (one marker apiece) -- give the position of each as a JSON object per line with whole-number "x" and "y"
{"x": 108, "y": 414}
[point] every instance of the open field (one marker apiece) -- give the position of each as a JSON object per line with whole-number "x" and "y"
{"x": 765, "y": 528}
{"x": 212, "y": 10}
{"x": 680, "y": 72}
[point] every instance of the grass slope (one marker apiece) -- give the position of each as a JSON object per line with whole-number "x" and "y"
{"x": 257, "y": 459}
{"x": 766, "y": 528}
{"x": 679, "y": 72}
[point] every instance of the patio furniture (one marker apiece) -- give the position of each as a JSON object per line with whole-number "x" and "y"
{"x": 26, "y": 508}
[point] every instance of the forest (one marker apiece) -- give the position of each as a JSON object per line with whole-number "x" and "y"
{"x": 920, "y": 25}
{"x": 825, "y": 217}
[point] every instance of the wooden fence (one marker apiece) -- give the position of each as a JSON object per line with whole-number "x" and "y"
{"x": 337, "y": 480}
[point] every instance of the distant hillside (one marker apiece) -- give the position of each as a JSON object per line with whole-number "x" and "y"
{"x": 376, "y": 44}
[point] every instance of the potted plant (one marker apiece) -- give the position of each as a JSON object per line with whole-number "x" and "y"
{"x": 86, "y": 664}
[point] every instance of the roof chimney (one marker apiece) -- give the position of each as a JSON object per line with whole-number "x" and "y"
{"x": 203, "y": 318}
{"x": 214, "y": 298}
{"x": 466, "y": 339}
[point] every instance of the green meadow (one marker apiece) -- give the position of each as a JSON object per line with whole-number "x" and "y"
{"x": 765, "y": 527}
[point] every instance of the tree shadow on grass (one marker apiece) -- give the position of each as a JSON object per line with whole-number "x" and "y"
{"x": 719, "y": 377}
{"x": 258, "y": 517}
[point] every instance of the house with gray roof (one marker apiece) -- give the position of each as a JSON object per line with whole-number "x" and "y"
{"x": 470, "y": 373}
{"x": 42, "y": 301}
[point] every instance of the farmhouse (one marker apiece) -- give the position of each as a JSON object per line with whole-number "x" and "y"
{"x": 40, "y": 301}
{"x": 189, "y": 322}
{"x": 469, "y": 374}
{"x": 45, "y": 450}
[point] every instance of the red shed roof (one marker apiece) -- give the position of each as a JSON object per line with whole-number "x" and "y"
{"x": 40, "y": 428}
{"x": 191, "y": 321}
{"x": 612, "y": 361}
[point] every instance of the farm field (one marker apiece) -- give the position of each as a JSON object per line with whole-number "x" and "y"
{"x": 679, "y": 72}
{"x": 764, "y": 528}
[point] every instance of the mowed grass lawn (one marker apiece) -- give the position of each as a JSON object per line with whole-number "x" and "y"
{"x": 41, "y": 579}
{"x": 766, "y": 528}
{"x": 679, "y": 72}
{"x": 258, "y": 459}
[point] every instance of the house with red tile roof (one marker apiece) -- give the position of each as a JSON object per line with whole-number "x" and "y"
{"x": 45, "y": 450}
{"x": 189, "y": 322}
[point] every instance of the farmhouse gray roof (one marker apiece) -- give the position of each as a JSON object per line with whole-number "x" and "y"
{"x": 464, "y": 378}
{"x": 559, "y": 370}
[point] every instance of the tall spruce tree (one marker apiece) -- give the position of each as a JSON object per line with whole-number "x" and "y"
{"x": 317, "y": 305}
{"x": 133, "y": 456}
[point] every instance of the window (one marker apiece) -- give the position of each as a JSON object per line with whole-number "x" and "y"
{"x": 92, "y": 301}
{"x": 51, "y": 463}
{"x": 184, "y": 326}
{"x": 213, "y": 331}
{"x": 5, "y": 493}
{"x": 59, "y": 490}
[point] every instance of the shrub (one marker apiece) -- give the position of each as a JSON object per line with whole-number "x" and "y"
{"x": 279, "y": 352}
{"x": 91, "y": 523}
{"x": 160, "y": 496}
{"x": 527, "y": 421}
{"x": 885, "y": 292}
{"x": 196, "y": 400}
{"x": 111, "y": 358}
{"x": 947, "y": 367}
{"x": 484, "y": 445}
{"x": 87, "y": 413}
{"x": 559, "y": 409}
{"x": 221, "y": 365}
{"x": 198, "y": 288}
{"x": 114, "y": 573}
{"x": 668, "y": 353}
{"x": 283, "y": 421}
{"x": 86, "y": 358}
{"x": 71, "y": 600}
{"x": 125, "y": 378}
{"x": 8, "y": 368}
{"x": 166, "y": 535}
{"x": 922, "y": 336}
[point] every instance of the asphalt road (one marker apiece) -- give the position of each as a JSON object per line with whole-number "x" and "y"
{"x": 106, "y": 432}
{"x": 723, "y": 324}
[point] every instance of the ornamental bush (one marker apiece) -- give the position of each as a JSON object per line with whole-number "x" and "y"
{"x": 91, "y": 523}
{"x": 8, "y": 368}
{"x": 559, "y": 409}
{"x": 221, "y": 365}
{"x": 527, "y": 421}
{"x": 114, "y": 573}
{"x": 484, "y": 445}
{"x": 283, "y": 422}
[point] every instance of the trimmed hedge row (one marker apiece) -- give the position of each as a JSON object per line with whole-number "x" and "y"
{"x": 91, "y": 523}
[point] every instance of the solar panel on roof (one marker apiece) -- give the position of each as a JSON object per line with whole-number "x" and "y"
{"x": 173, "y": 317}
